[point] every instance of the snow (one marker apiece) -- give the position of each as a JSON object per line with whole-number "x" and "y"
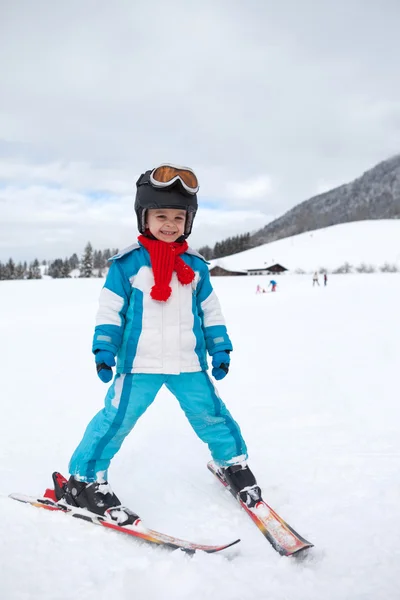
{"x": 314, "y": 386}
{"x": 370, "y": 242}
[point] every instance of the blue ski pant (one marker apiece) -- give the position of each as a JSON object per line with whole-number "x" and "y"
{"x": 128, "y": 398}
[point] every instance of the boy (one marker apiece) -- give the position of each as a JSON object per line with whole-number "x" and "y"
{"x": 159, "y": 315}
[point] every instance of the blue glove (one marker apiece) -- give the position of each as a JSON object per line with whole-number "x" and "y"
{"x": 104, "y": 361}
{"x": 220, "y": 363}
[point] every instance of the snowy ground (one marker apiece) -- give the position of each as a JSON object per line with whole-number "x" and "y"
{"x": 314, "y": 385}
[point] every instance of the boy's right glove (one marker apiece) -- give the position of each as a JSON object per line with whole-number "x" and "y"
{"x": 104, "y": 361}
{"x": 220, "y": 363}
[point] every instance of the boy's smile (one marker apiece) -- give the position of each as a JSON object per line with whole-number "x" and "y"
{"x": 166, "y": 224}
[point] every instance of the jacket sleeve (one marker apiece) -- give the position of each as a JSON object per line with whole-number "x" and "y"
{"x": 113, "y": 303}
{"x": 213, "y": 322}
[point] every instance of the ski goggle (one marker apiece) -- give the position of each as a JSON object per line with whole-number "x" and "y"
{"x": 165, "y": 175}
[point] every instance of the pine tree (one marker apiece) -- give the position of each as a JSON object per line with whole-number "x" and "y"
{"x": 103, "y": 261}
{"x": 97, "y": 259}
{"x": 33, "y": 272}
{"x": 74, "y": 261}
{"x": 10, "y": 269}
{"x": 66, "y": 268}
{"x": 29, "y": 273}
{"x": 20, "y": 271}
{"x": 37, "y": 274}
{"x": 86, "y": 269}
{"x": 207, "y": 252}
{"x": 231, "y": 245}
{"x": 59, "y": 268}
{"x": 55, "y": 268}
{"x": 217, "y": 250}
{"x": 99, "y": 262}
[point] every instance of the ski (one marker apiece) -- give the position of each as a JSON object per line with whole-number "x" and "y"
{"x": 137, "y": 529}
{"x": 283, "y": 538}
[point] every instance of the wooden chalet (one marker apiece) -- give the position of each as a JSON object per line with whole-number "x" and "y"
{"x": 276, "y": 269}
{"x": 219, "y": 271}
{"x": 273, "y": 269}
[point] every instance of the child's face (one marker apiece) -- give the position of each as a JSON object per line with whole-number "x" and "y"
{"x": 166, "y": 224}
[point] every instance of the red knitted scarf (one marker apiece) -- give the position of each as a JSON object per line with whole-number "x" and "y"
{"x": 164, "y": 258}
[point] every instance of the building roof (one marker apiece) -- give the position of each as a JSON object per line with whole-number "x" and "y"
{"x": 219, "y": 262}
{"x": 272, "y": 267}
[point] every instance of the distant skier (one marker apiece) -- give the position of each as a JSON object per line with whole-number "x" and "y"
{"x": 325, "y": 279}
{"x": 260, "y": 290}
{"x": 315, "y": 280}
{"x": 273, "y": 285}
{"x": 159, "y": 314}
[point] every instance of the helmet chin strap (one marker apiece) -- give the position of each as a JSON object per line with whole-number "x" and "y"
{"x": 149, "y": 235}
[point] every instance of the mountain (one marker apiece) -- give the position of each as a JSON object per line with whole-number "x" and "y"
{"x": 374, "y": 195}
{"x": 364, "y": 245}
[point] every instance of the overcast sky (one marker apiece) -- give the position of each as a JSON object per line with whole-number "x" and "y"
{"x": 269, "y": 102}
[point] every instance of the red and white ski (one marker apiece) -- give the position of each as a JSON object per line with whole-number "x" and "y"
{"x": 137, "y": 529}
{"x": 283, "y": 538}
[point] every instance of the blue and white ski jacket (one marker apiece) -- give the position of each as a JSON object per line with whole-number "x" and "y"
{"x": 148, "y": 336}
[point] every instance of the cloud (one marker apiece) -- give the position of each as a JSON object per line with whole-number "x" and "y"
{"x": 57, "y": 207}
{"x": 74, "y": 175}
{"x": 263, "y": 100}
{"x": 253, "y": 191}
{"x": 49, "y": 221}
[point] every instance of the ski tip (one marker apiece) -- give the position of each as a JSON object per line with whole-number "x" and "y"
{"x": 224, "y": 547}
{"x": 302, "y": 554}
{"x": 232, "y": 543}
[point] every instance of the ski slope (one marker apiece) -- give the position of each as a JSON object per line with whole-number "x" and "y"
{"x": 314, "y": 385}
{"x": 370, "y": 242}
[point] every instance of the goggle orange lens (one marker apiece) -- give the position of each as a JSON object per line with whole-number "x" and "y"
{"x": 167, "y": 173}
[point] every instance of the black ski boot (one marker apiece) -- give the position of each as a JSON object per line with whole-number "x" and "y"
{"x": 96, "y": 497}
{"x": 242, "y": 481}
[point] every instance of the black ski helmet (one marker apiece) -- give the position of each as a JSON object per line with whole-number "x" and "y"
{"x": 173, "y": 196}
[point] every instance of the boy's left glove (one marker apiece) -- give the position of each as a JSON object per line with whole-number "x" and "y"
{"x": 220, "y": 363}
{"x": 104, "y": 361}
